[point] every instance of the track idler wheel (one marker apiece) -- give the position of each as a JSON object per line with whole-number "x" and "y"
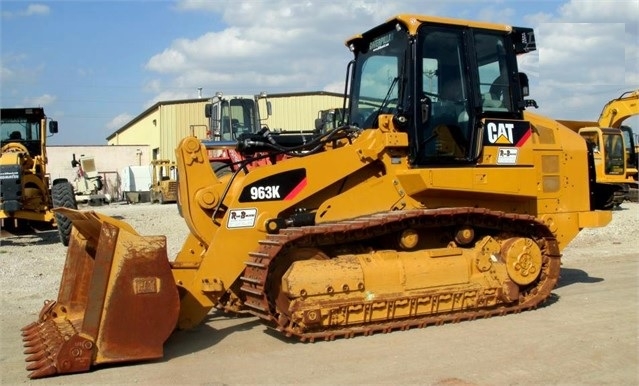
{"x": 523, "y": 259}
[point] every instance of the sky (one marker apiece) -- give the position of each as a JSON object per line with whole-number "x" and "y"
{"x": 95, "y": 65}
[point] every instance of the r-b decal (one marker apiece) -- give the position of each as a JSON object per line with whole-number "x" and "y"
{"x": 506, "y": 132}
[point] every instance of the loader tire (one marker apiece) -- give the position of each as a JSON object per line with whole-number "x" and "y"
{"x": 62, "y": 196}
{"x": 221, "y": 168}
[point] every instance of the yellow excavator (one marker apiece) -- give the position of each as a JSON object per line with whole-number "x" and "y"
{"x": 440, "y": 199}
{"x": 613, "y": 148}
{"x": 614, "y": 115}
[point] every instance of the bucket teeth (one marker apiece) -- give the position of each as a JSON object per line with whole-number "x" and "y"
{"x": 43, "y": 344}
{"x": 35, "y": 349}
{"x": 30, "y": 336}
{"x": 45, "y": 369}
{"x": 38, "y": 329}
{"x": 33, "y": 342}
{"x": 42, "y": 363}
{"x": 28, "y": 327}
{"x": 34, "y": 330}
{"x": 36, "y": 357}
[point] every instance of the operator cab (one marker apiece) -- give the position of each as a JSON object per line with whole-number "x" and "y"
{"x": 231, "y": 117}
{"x": 25, "y": 126}
{"x": 441, "y": 82}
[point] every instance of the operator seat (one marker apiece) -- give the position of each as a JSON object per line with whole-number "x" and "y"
{"x": 451, "y": 123}
{"x": 497, "y": 98}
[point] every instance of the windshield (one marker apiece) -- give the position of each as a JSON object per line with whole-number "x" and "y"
{"x": 22, "y": 126}
{"x": 376, "y": 86}
{"x": 615, "y": 154}
{"x": 19, "y": 129}
{"x": 238, "y": 117}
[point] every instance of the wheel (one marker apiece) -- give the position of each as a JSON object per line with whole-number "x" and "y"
{"x": 63, "y": 197}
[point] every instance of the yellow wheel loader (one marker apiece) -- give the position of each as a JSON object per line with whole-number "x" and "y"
{"x": 25, "y": 192}
{"x": 234, "y": 117}
{"x": 441, "y": 199}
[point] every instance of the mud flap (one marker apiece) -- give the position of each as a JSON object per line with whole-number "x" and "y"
{"x": 117, "y": 301}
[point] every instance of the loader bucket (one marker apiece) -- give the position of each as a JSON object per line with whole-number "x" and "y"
{"x": 117, "y": 301}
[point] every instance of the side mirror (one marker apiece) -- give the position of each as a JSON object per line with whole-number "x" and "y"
{"x": 319, "y": 124}
{"x": 207, "y": 110}
{"x": 523, "y": 84}
{"x": 53, "y": 127}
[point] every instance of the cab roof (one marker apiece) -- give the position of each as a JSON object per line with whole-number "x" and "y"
{"x": 413, "y": 21}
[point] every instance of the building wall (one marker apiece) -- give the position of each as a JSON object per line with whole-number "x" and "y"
{"x": 178, "y": 121}
{"x": 109, "y": 162}
{"x": 163, "y": 125}
{"x": 297, "y": 112}
{"x": 144, "y": 131}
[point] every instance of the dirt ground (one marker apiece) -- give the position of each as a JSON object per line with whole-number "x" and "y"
{"x": 587, "y": 334}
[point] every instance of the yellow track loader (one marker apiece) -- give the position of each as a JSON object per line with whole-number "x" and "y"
{"x": 440, "y": 199}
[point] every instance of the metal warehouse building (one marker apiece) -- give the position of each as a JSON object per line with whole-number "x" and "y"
{"x": 163, "y": 125}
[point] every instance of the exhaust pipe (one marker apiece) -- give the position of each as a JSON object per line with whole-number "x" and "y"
{"x": 117, "y": 301}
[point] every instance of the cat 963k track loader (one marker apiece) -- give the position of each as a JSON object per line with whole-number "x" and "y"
{"x": 441, "y": 199}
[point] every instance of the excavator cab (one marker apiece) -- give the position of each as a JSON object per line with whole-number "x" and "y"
{"x": 608, "y": 148}
{"x": 441, "y": 85}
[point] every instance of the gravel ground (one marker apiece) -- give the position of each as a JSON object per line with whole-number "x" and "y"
{"x": 40, "y": 256}
{"x": 31, "y": 265}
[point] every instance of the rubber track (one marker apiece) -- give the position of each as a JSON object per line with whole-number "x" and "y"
{"x": 257, "y": 269}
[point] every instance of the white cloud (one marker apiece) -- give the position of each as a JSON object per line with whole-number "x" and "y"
{"x": 17, "y": 68}
{"x": 37, "y": 9}
{"x": 153, "y": 86}
{"x": 31, "y": 10}
{"x": 600, "y": 11}
{"x": 6, "y": 73}
{"x": 40, "y": 101}
{"x": 582, "y": 53}
{"x": 119, "y": 121}
{"x": 283, "y": 46}
{"x": 277, "y": 46}
{"x": 496, "y": 14}
{"x": 587, "y": 55}
{"x": 168, "y": 96}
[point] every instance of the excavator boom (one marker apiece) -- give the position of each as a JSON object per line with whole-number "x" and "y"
{"x": 618, "y": 110}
